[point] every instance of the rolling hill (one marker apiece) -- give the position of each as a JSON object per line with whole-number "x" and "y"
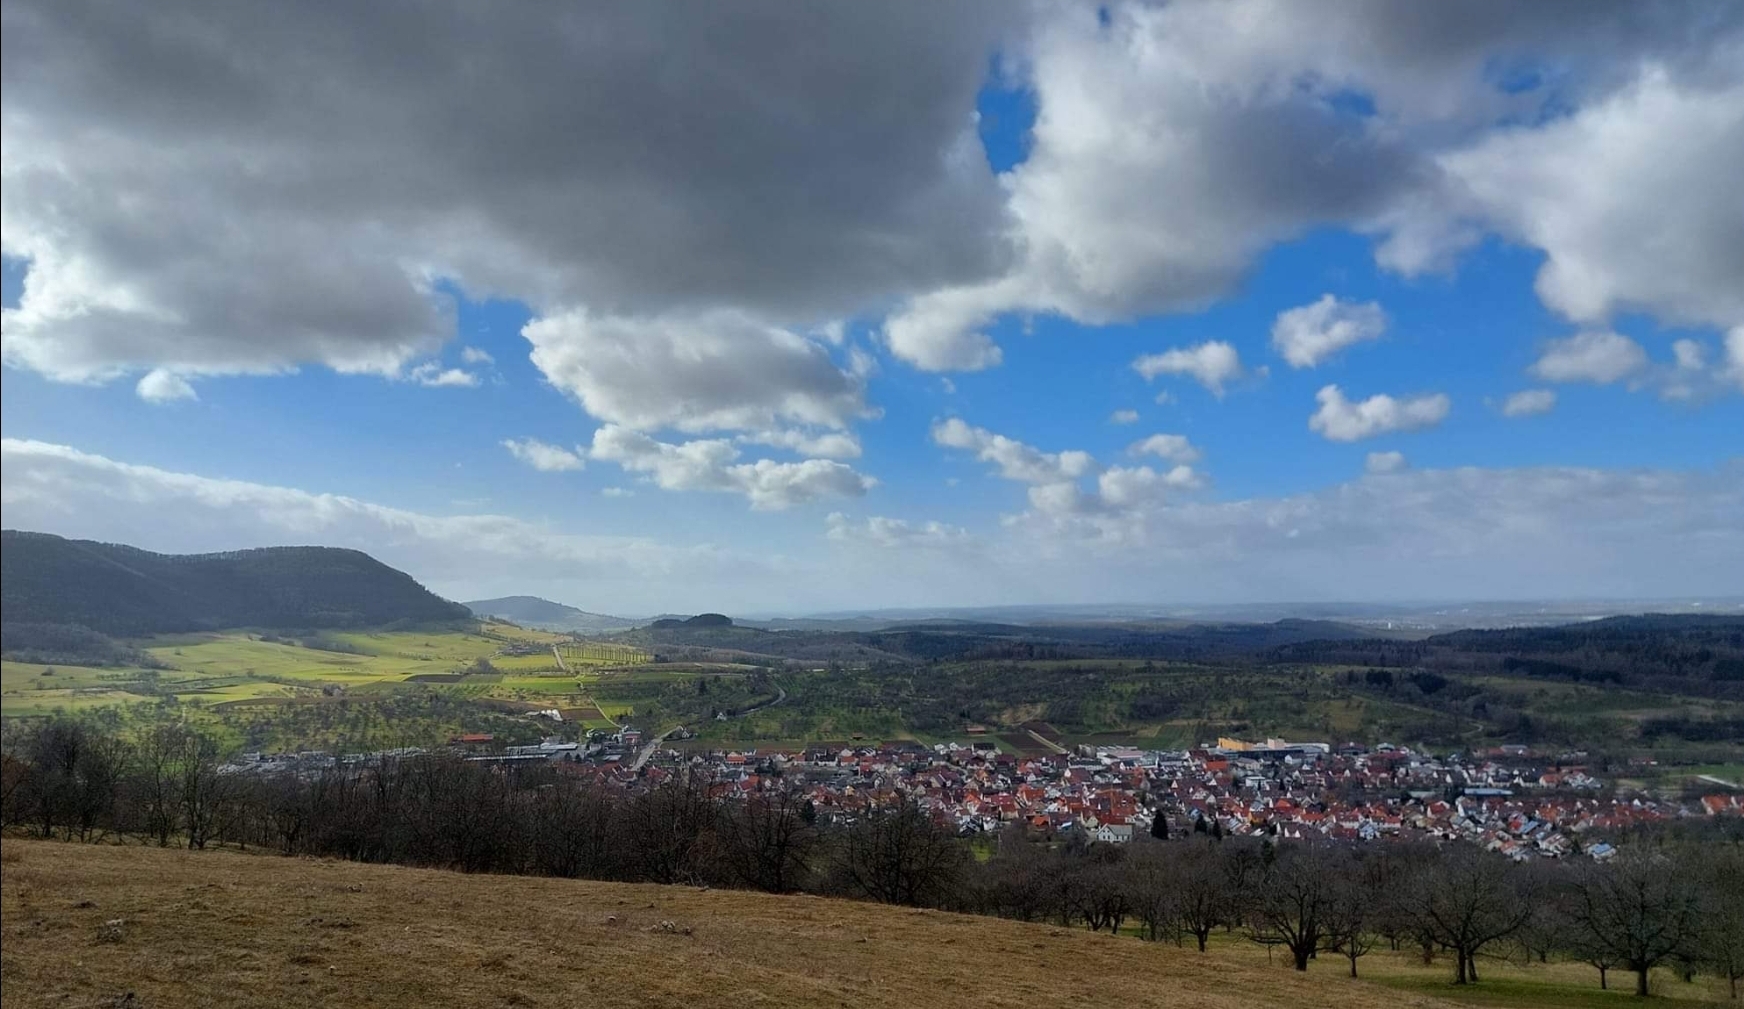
{"x": 124, "y": 591}
{"x": 100, "y": 925}
{"x": 531, "y": 611}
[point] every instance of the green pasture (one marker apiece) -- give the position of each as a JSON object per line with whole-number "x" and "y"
{"x": 240, "y": 666}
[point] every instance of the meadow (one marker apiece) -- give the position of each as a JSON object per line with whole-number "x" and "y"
{"x": 108, "y": 925}
{"x": 249, "y": 676}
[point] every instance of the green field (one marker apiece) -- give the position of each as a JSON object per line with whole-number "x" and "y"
{"x": 239, "y": 668}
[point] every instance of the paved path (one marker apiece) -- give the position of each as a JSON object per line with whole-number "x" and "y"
{"x": 647, "y": 752}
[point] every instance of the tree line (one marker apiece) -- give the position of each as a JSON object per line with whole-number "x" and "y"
{"x": 1676, "y": 904}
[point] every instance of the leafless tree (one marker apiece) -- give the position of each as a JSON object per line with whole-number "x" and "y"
{"x": 1637, "y": 911}
{"x": 1019, "y": 880}
{"x": 669, "y": 827}
{"x": 1205, "y": 887}
{"x": 1152, "y": 888}
{"x": 1353, "y": 909}
{"x": 1722, "y": 927}
{"x": 1292, "y": 900}
{"x": 1467, "y": 900}
{"x": 767, "y": 841}
{"x": 899, "y": 856}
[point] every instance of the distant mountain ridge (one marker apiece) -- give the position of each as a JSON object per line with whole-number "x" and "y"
{"x": 532, "y": 611}
{"x": 125, "y": 591}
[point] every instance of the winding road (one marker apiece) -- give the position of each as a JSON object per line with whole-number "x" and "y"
{"x": 647, "y": 752}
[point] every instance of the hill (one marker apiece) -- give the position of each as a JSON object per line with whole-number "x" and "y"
{"x": 935, "y": 640}
{"x": 531, "y": 611}
{"x": 124, "y": 591}
{"x": 221, "y": 928}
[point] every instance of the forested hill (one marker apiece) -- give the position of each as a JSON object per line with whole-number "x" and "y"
{"x": 531, "y": 611}
{"x": 1699, "y": 655}
{"x": 121, "y": 590}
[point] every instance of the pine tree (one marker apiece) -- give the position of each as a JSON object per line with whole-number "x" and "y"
{"x": 1160, "y": 826}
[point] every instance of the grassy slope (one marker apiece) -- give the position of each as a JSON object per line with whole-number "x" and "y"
{"x": 225, "y": 929}
{"x": 219, "y": 928}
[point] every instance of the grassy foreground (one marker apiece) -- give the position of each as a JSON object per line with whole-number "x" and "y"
{"x": 227, "y": 929}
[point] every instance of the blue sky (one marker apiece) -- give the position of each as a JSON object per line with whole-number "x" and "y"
{"x": 225, "y": 376}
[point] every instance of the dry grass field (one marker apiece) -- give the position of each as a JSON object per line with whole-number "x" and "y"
{"x": 100, "y": 926}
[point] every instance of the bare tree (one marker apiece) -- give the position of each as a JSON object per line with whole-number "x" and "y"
{"x": 668, "y": 825}
{"x": 1467, "y": 900}
{"x": 1722, "y": 934}
{"x": 572, "y": 831}
{"x": 1020, "y": 878}
{"x": 766, "y": 840}
{"x": 72, "y": 780}
{"x": 1354, "y": 908}
{"x": 899, "y": 856}
{"x": 1204, "y": 886}
{"x": 1292, "y": 899}
{"x": 1152, "y": 888}
{"x": 1637, "y": 911}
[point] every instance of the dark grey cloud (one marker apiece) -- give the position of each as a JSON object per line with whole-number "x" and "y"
{"x": 207, "y": 186}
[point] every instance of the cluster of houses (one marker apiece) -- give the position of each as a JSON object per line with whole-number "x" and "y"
{"x": 1509, "y": 799}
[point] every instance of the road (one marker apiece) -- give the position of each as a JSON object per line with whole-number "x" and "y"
{"x": 559, "y": 657}
{"x": 648, "y": 751}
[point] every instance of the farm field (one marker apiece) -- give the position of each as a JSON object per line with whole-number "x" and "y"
{"x": 239, "y": 667}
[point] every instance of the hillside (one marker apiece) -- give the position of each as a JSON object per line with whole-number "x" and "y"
{"x": 220, "y": 928}
{"x": 531, "y": 611}
{"x": 123, "y": 591}
{"x": 947, "y": 639}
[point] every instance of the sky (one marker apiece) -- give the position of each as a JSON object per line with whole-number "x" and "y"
{"x": 772, "y": 309}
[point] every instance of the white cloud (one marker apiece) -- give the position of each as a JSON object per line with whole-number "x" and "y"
{"x": 1014, "y": 459}
{"x": 825, "y": 445}
{"x": 1125, "y": 487}
{"x": 476, "y": 355}
{"x": 1734, "y": 371}
{"x": 1385, "y": 462}
{"x": 1690, "y": 355}
{"x": 434, "y": 375}
{"x": 545, "y": 457}
{"x": 1629, "y": 197}
{"x": 160, "y": 386}
{"x": 1426, "y": 534}
{"x": 1339, "y": 419}
{"x": 1212, "y": 364}
{"x": 940, "y": 331}
{"x": 1598, "y": 356}
{"x": 1123, "y": 417}
{"x": 1309, "y": 334}
{"x": 1121, "y": 493}
{"x": 880, "y": 531}
{"x": 158, "y": 175}
{"x": 711, "y": 465}
{"x": 1173, "y": 447}
{"x": 1466, "y": 533}
{"x": 1529, "y": 403}
{"x": 617, "y": 492}
{"x": 711, "y": 372}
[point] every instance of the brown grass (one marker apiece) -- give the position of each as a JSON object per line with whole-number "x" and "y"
{"x": 88, "y": 926}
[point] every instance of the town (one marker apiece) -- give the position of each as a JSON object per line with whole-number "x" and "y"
{"x": 1510, "y": 799}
